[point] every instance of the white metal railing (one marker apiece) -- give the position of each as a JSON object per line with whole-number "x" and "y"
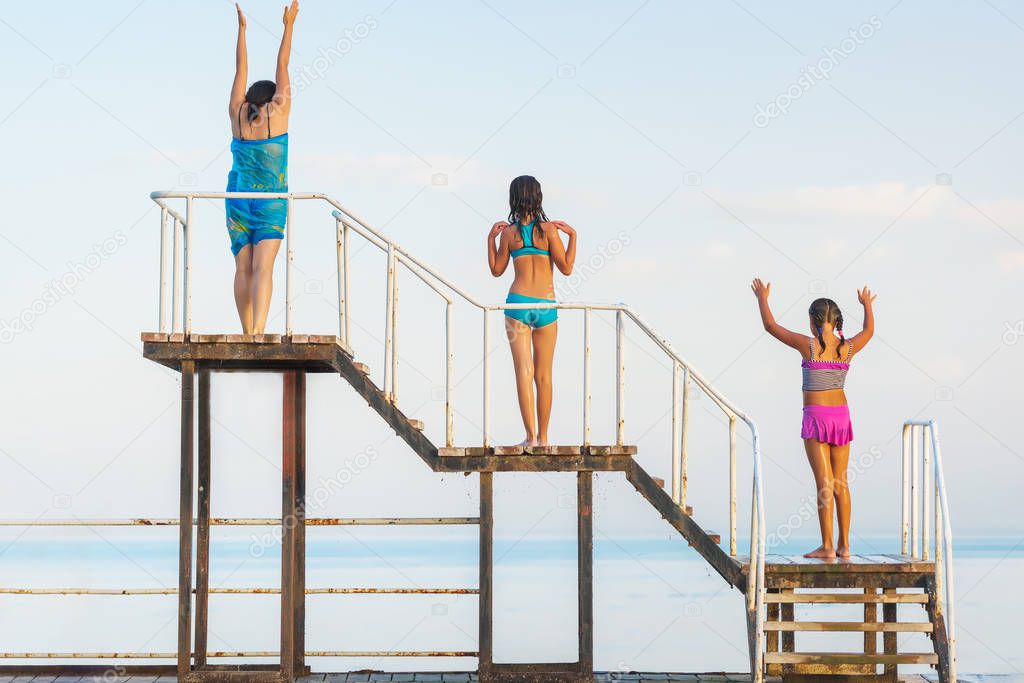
{"x": 348, "y": 223}
{"x": 923, "y": 485}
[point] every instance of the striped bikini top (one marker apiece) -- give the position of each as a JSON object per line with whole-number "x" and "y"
{"x": 822, "y": 375}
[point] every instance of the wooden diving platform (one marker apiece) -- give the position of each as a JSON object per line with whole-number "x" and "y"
{"x": 884, "y": 580}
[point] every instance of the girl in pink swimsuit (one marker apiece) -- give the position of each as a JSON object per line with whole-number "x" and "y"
{"x": 826, "y": 429}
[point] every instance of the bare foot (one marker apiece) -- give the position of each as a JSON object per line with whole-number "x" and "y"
{"x": 527, "y": 443}
{"x": 542, "y": 442}
{"x": 843, "y": 552}
{"x": 822, "y": 553}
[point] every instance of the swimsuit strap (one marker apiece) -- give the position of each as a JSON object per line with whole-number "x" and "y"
{"x": 527, "y": 236}
{"x": 241, "y": 136}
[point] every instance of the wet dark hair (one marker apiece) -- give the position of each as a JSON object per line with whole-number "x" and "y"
{"x": 827, "y": 311}
{"x": 258, "y": 94}
{"x": 526, "y": 199}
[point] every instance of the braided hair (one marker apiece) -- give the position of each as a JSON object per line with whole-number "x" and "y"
{"x": 525, "y": 198}
{"x": 827, "y": 311}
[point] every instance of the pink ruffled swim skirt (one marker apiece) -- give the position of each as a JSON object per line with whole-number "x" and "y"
{"x": 827, "y": 424}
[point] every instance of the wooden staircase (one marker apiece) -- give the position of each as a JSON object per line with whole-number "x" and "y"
{"x": 804, "y": 597}
{"x": 790, "y": 581}
{"x": 817, "y": 586}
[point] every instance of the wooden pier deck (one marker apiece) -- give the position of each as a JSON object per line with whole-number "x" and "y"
{"x": 432, "y": 676}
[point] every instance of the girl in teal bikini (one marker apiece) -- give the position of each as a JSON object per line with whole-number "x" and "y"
{"x": 259, "y": 153}
{"x": 533, "y": 244}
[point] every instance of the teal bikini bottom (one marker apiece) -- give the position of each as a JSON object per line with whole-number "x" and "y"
{"x": 534, "y": 317}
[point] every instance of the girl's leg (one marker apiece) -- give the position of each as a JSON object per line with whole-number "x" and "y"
{"x": 840, "y": 457}
{"x": 543, "y": 357}
{"x": 522, "y": 361}
{"x": 263, "y": 255}
{"x": 821, "y": 465}
{"x": 243, "y": 287}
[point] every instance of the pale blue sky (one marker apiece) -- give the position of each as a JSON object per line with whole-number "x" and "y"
{"x": 637, "y": 117}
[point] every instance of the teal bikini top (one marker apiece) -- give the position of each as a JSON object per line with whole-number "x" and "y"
{"x": 528, "y": 249}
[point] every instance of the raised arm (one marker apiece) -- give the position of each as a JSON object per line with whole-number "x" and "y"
{"x": 498, "y": 254}
{"x": 283, "y": 96}
{"x": 867, "y": 300}
{"x": 800, "y": 342}
{"x": 564, "y": 257}
{"x": 241, "y": 67}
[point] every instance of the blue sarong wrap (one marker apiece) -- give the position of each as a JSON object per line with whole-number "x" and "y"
{"x": 257, "y": 166}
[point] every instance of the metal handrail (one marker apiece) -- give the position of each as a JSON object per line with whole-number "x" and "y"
{"x": 346, "y": 222}
{"x": 923, "y": 480}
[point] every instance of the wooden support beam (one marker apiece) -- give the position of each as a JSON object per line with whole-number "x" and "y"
{"x": 188, "y": 368}
{"x": 585, "y": 569}
{"x": 788, "y": 613}
{"x": 299, "y": 615}
{"x": 870, "y": 617}
{"x": 486, "y": 626}
{"x": 293, "y": 414}
{"x": 889, "y": 616}
{"x": 772, "y": 636}
{"x": 203, "y": 522}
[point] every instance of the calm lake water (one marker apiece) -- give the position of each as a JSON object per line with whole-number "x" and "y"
{"x": 658, "y": 606}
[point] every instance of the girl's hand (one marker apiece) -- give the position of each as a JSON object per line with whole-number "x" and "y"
{"x": 761, "y": 290}
{"x": 291, "y": 12}
{"x": 497, "y": 229}
{"x": 865, "y": 297}
{"x": 564, "y": 227}
{"x": 241, "y": 16}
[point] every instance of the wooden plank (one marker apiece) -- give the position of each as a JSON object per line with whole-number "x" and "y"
{"x": 202, "y": 599}
{"x": 417, "y": 424}
{"x": 154, "y": 336}
{"x": 585, "y": 570}
{"x": 832, "y": 658}
{"x": 783, "y": 579}
{"x": 554, "y": 450}
{"x": 610, "y": 450}
{"x": 236, "y": 356}
{"x": 267, "y": 338}
{"x": 855, "y": 626}
{"x": 486, "y": 585}
{"x": 888, "y": 597}
{"x": 532, "y": 463}
{"x": 188, "y": 368}
{"x": 502, "y": 450}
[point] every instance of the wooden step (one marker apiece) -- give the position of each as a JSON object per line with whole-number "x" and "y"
{"x": 847, "y": 598}
{"x": 361, "y": 367}
{"x": 869, "y": 626}
{"x": 417, "y": 424}
{"x": 849, "y": 658}
{"x": 715, "y": 537}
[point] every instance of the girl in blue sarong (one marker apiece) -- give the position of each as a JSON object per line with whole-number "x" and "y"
{"x": 259, "y": 153}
